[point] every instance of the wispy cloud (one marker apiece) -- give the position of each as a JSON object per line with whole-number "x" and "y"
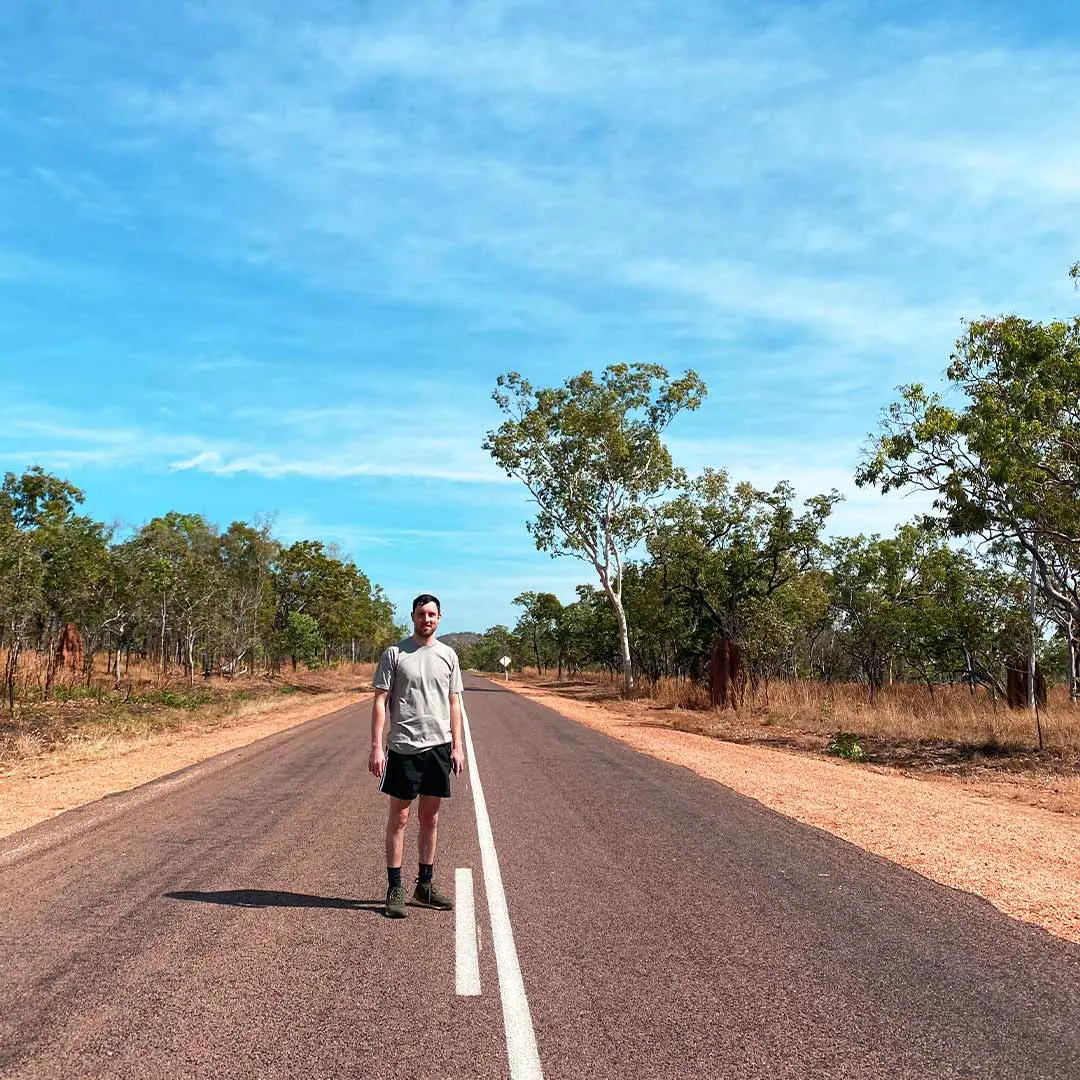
{"x": 348, "y": 441}
{"x": 43, "y": 435}
{"x": 622, "y": 189}
{"x": 831, "y": 309}
{"x": 338, "y": 466}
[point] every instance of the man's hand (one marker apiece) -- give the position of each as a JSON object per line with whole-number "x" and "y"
{"x": 376, "y": 762}
{"x": 457, "y": 760}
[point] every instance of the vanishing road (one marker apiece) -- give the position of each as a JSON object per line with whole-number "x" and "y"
{"x": 630, "y": 920}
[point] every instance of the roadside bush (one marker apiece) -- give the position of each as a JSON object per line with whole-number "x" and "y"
{"x": 845, "y": 745}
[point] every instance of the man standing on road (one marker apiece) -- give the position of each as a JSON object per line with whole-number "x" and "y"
{"x": 420, "y": 679}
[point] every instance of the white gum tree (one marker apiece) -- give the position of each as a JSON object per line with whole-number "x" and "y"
{"x": 591, "y": 454}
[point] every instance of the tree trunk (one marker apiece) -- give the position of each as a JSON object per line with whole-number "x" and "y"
{"x": 10, "y": 670}
{"x": 119, "y": 650}
{"x": 624, "y": 643}
{"x": 1074, "y": 661}
{"x": 164, "y": 653}
{"x": 1031, "y": 660}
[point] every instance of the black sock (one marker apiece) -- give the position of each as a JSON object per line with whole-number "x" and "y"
{"x": 393, "y": 877}
{"x": 426, "y": 870}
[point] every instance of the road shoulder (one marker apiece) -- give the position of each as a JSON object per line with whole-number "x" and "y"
{"x": 43, "y": 787}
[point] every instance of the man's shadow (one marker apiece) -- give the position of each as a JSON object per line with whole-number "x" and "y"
{"x": 263, "y": 898}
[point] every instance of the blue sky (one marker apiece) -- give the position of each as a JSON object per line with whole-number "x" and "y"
{"x": 269, "y": 258}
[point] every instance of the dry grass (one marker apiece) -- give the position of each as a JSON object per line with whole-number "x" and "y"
{"x": 947, "y": 733}
{"x": 901, "y": 711}
{"x": 95, "y": 717}
{"x": 907, "y": 712}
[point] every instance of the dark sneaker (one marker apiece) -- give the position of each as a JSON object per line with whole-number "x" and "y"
{"x": 395, "y": 902}
{"x": 428, "y": 895}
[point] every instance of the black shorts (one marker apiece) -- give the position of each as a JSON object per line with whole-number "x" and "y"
{"x": 425, "y": 773}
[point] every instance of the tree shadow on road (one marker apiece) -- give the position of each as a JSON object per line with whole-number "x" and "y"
{"x": 263, "y": 898}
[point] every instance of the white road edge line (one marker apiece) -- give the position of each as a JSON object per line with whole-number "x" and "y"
{"x": 521, "y": 1051}
{"x": 467, "y": 964}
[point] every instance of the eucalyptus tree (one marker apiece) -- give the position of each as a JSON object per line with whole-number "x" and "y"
{"x": 303, "y": 639}
{"x": 971, "y": 620}
{"x": 582, "y": 630}
{"x": 119, "y": 607}
{"x": 668, "y": 635}
{"x": 309, "y": 579}
{"x": 873, "y": 581}
{"x": 302, "y": 574}
{"x": 247, "y": 554}
{"x": 493, "y": 643}
{"x": 914, "y": 604}
{"x": 180, "y": 560}
{"x": 378, "y": 627}
{"x": 539, "y": 616}
{"x": 1005, "y": 464}
{"x": 77, "y": 585}
{"x": 35, "y": 508}
{"x": 729, "y": 549}
{"x": 597, "y": 640}
{"x": 591, "y": 455}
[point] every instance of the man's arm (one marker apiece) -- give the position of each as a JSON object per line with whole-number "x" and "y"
{"x": 377, "y": 757}
{"x": 457, "y": 735}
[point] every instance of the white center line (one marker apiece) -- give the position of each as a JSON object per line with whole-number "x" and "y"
{"x": 467, "y": 970}
{"x": 521, "y": 1049}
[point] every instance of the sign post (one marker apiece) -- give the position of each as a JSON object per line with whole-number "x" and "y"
{"x": 504, "y": 661}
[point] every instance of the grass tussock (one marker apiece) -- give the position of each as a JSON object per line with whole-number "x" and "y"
{"x": 88, "y": 713}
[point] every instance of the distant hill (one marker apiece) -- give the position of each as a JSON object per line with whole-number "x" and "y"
{"x": 461, "y": 640}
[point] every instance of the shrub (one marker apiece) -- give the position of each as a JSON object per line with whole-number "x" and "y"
{"x": 846, "y": 745}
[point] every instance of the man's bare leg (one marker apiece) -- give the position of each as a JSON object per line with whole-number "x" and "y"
{"x": 429, "y": 827}
{"x": 426, "y": 893}
{"x": 396, "y": 820}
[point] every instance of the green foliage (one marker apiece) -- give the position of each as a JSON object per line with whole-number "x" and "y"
{"x": 177, "y": 589}
{"x": 176, "y": 699}
{"x": 303, "y": 639}
{"x": 591, "y": 455}
{"x": 81, "y": 692}
{"x": 843, "y": 744}
{"x": 737, "y": 556}
{"x": 916, "y": 601}
{"x": 1004, "y": 464}
{"x": 483, "y": 655}
{"x": 537, "y": 626}
{"x": 590, "y": 452}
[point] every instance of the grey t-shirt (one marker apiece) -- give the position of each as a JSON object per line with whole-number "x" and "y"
{"x": 420, "y": 680}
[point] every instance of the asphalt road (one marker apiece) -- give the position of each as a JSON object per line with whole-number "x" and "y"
{"x": 226, "y": 922}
